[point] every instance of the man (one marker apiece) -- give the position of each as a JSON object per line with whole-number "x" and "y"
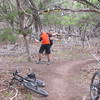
{"x": 45, "y": 46}
{"x": 50, "y": 38}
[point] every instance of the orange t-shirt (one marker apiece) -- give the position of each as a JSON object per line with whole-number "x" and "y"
{"x": 45, "y": 38}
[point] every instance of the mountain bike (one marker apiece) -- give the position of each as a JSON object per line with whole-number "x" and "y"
{"x": 29, "y": 82}
{"x": 95, "y": 86}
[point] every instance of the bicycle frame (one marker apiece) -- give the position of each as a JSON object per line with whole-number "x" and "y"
{"x": 22, "y": 79}
{"x": 33, "y": 85}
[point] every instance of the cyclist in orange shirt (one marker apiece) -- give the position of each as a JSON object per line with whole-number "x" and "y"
{"x": 45, "y": 46}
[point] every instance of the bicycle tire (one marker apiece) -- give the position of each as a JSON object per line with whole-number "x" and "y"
{"x": 40, "y": 83}
{"x": 36, "y": 89}
{"x": 94, "y": 91}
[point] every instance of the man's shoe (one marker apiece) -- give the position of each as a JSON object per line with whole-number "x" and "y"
{"x": 39, "y": 62}
{"x": 49, "y": 62}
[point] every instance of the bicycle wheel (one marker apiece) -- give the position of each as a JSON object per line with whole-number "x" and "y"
{"x": 95, "y": 86}
{"x": 34, "y": 88}
{"x": 40, "y": 83}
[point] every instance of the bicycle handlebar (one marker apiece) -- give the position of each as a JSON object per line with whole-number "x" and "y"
{"x": 16, "y": 74}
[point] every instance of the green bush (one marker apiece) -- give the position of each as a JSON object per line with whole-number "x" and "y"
{"x": 7, "y": 35}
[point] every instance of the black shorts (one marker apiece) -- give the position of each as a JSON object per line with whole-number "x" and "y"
{"x": 46, "y": 48}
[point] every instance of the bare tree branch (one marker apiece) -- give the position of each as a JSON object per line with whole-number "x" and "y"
{"x": 67, "y": 10}
{"x": 87, "y": 3}
{"x": 35, "y": 16}
{"x": 29, "y": 24}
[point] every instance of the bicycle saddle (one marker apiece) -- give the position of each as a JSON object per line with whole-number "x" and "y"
{"x": 31, "y": 75}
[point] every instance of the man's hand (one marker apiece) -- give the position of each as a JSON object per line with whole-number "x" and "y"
{"x": 36, "y": 41}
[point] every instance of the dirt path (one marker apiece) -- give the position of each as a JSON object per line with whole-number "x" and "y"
{"x": 61, "y": 80}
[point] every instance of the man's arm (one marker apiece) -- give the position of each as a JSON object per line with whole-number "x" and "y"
{"x": 40, "y": 39}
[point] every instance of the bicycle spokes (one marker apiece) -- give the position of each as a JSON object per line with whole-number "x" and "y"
{"x": 30, "y": 82}
{"x": 95, "y": 86}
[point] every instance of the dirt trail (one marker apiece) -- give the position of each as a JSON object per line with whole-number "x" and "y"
{"x": 60, "y": 80}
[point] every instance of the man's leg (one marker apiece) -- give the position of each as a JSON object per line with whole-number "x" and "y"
{"x": 49, "y": 60}
{"x": 39, "y": 59}
{"x": 48, "y": 54}
{"x": 48, "y": 57}
{"x": 40, "y": 53}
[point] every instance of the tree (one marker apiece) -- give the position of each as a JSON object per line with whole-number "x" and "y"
{"x": 21, "y": 15}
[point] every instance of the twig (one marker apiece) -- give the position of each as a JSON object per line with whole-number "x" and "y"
{"x": 3, "y": 90}
{"x": 15, "y": 94}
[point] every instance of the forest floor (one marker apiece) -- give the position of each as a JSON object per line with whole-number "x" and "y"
{"x": 67, "y": 78}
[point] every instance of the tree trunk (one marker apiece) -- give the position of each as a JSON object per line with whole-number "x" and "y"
{"x": 27, "y": 48}
{"x": 21, "y": 25}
